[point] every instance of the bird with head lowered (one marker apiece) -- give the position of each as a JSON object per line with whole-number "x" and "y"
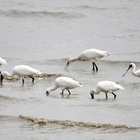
{"x": 65, "y": 83}
{"x": 89, "y": 55}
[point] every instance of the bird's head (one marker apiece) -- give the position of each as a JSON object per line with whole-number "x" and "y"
{"x": 130, "y": 66}
{"x": 47, "y": 93}
{"x": 92, "y": 92}
{"x": 72, "y": 59}
{"x": 5, "y": 74}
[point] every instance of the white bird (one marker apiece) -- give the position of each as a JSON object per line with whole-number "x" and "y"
{"x": 65, "y": 83}
{"x": 134, "y": 71}
{"x": 106, "y": 87}
{"x": 90, "y": 54}
{"x": 3, "y": 61}
{"x": 22, "y": 71}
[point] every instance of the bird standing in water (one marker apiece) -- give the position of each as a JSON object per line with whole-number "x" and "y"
{"x": 106, "y": 87}
{"x": 134, "y": 71}
{"x": 65, "y": 83}
{"x": 22, "y": 71}
{"x": 90, "y": 54}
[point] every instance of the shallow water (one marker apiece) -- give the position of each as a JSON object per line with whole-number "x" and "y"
{"x": 44, "y": 34}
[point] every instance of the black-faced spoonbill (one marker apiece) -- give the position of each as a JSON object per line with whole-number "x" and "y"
{"x": 65, "y": 83}
{"x": 134, "y": 72}
{"x": 3, "y": 61}
{"x": 106, "y": 87}
{"x": 90, "y": 54}
{"x": 22, "y": 71}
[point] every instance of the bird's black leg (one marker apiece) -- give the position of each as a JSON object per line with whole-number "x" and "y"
{"x": 106, "y": 95}
{"x": 93, "y": 64}
{"x": 22, "y": 80}
{"x": 32, "y": 78}
{"x": 94, "y": 67}
{"x": 1, "y": 78}
{"x": 114, "y": 95}
{"x": 62, "y": 92}
{"x": 68, "y": 91}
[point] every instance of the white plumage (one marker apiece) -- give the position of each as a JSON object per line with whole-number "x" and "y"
{"x": 3, "y": 61}
{"x": 105, "y": 86}
{"x": 65, "y": 83}
{"x": 90, "y": 54}
{"x": 22, "y": 71}
{"x": 134, "y": 71}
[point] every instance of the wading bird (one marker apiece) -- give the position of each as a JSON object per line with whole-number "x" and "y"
{"x": 134, "y": 72}
{"x": 90, "y": 54}
{"x": 2, "y": 61}
{"x": 65, "y": 83}
{"x": 22, "y": 71}
{"x": 106, "y": 87}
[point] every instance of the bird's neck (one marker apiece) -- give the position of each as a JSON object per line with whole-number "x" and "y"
{"x": 134, "y": 70}
{"x": 53, "y": 88}
{"x": 74, "y": 58}
{"x": 7, "y": 74}
{"x": 97, "y": 91}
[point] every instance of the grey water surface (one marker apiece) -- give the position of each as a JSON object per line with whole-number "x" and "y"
{"x": 44, "y": 34}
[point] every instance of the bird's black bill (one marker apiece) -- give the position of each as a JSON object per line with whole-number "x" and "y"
{"x": 92, "y": 96}
{"x": 67, "y": 65}
{"x": 47, "y": 93}
{"x": 127, "y": 70}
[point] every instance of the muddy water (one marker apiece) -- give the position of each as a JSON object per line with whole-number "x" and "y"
{"x": 44, "y": 35}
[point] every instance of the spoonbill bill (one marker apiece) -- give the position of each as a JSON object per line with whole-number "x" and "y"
{"x": 90, "y": 54}
{"x": 134, "y": 71}
{"x": 65, "y": 83}
{"x": 3, "y": 61}
{"x": 106, "y": 87}
{"x": 22, "y": 71}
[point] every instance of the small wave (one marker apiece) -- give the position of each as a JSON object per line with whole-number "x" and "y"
{"x": 115, "y": 62}
{"x": 7, "y": 117}
{"x": 43, "y": 75}
{"x": 6, "y": 97}
{"x": 92, "y": 7}
{"x": 102, "y": 8}
{"x": 39, "y": 14}
{"x": 82, "y": 124}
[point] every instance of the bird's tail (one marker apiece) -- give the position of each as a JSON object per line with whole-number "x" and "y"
{"x": 39, "y": 73}
{"x": 107, "y": 53}
{"x": 120, "y": 87}
{"x": 79, "y": 84}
